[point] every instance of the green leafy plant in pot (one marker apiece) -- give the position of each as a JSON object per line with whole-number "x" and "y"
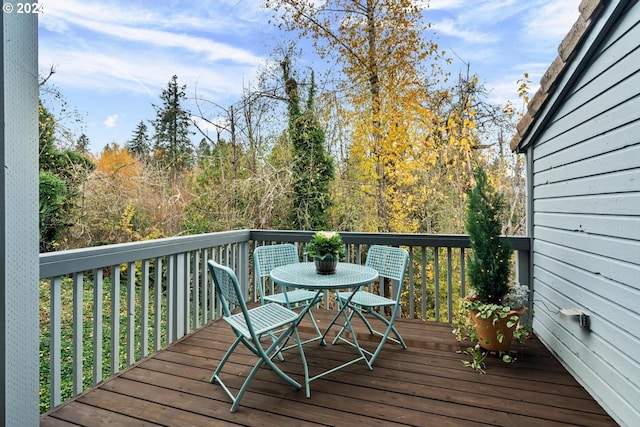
{"x": 325, "y": 248}
{"x": 494, "y": 305}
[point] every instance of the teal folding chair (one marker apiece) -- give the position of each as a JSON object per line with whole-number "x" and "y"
{"x": 268, "y": 257}
{"x": 391, "y": 263}
{"x": 250, "y": 325}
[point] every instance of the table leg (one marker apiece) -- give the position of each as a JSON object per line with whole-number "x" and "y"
{"x": 334, "y": 321}
{"x": 348, "y": 327}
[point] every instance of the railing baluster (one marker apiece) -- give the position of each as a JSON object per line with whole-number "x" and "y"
{"x": 463, "y": 281}
{"x": 157, "y": 300}
{"x": 205, "y": 294}
{"x": 182, "y": 294}
{"x": 412, "y": 303}
{"x": 195, "y": 291}
{"x": 436, "y": 281}
{"x": 77, "y": 332}
{"x": 98, "y": 308}
{"x": 172, "y": 313}
{"x": 423, "y": 287}
{"x": 115, "y": 319}
{"x": 55, "y": 346}
{"x": 449, "y": 286}
{"x": 144, "y": 311}
{"x": 131, "y": 311}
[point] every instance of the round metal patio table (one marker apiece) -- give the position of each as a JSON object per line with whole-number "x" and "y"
{"x": 347, "y": 276}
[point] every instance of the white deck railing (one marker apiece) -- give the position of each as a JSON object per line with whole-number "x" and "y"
{"x": 139, "y": 297}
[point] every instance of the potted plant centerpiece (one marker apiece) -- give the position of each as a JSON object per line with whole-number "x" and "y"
{"x": 494, "y": 305}
{"x": 325, "y": 248}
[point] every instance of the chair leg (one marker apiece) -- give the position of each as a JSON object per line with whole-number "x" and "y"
{"x": 390, "y": 328}
{"x": 278, "y": 349}
{"x": 245, "y": 385}
{"x": 358, "y": 311}
{"x": 224, "y": 360}
{"x": 265, "y": 358}
{"x": 383, "y": 340}
{"x": 364, "y": 319}
{"x": 305, "y": 366}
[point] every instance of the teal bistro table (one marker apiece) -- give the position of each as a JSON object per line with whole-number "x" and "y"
{"x": 347, "y": 276}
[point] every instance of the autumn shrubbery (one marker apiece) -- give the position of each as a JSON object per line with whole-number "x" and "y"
{"x": 125, "y": 200}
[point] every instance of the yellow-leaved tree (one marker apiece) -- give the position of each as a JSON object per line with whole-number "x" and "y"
{"x": 390, "y": 82}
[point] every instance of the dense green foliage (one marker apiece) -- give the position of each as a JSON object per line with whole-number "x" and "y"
{"x": 312, "y": 166}
{"x": 221, "y": 190}
{"x": 62, "y": 172}
{"x": 53, "y": 195}
{"x": 488, "y": 267}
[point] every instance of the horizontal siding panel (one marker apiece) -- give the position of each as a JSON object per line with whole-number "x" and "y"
{"x": 602, "y": 337}
{"x": 610, "y": 80}
{"x": 627, "y": 227}
{"x": 615, "y": 249}
{"x": 573, "y": 180}
{"x": 626, "y": 275}
{"x": 625, "y": 35}
{"x": 613, "y": 302}
{"x": 617, "y": 139}
{"x": 608, "y": 204}
{"x": 610, "y": 110}
{"x": 596, "y": 376}
{"x": 614, "y": 64}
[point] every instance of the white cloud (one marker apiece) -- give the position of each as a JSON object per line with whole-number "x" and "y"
{"x": 451, "y": 28}
{"x": 207, "y": 15}
{"x": 144, "y": 72}
{"x": 552, "y": 19}
{"x": 111, "y": 46}
{"x": 212, "y": 49}
{"x": 134, "y": 25}
{"x": 111, "y": 121}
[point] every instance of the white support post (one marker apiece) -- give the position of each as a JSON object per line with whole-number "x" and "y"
{"x": 19, "y": 264}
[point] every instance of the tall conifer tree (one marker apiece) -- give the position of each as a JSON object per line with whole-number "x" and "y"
{"x": 172, "y": 142}
{"x": 313, "y": 168}
{"x": 140, "y": 144}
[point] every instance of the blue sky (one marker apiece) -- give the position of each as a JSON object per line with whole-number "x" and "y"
{"x": 114, "y": 57}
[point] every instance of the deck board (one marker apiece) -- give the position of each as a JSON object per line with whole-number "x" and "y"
{"x": 425, "y": 384}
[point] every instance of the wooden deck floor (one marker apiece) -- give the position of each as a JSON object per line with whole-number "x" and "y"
{"x": 424, "y": 385}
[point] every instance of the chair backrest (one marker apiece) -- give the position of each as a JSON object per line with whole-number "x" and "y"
{"x": 389, "y": 262}
{"x": 227, "y": 288}
{"x": 268, "y": 257}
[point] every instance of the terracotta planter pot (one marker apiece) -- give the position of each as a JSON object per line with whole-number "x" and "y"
{"x": 487, "y": 331}
{"x": 326, "y": 266}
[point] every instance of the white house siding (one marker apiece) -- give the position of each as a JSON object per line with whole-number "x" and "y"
{"x": 586, "y": 224}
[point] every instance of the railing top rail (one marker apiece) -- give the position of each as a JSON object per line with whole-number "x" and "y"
{"x": 64, "y": 262}
{"x": 404, "y": 239}
{"x": 58, "y": 263}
